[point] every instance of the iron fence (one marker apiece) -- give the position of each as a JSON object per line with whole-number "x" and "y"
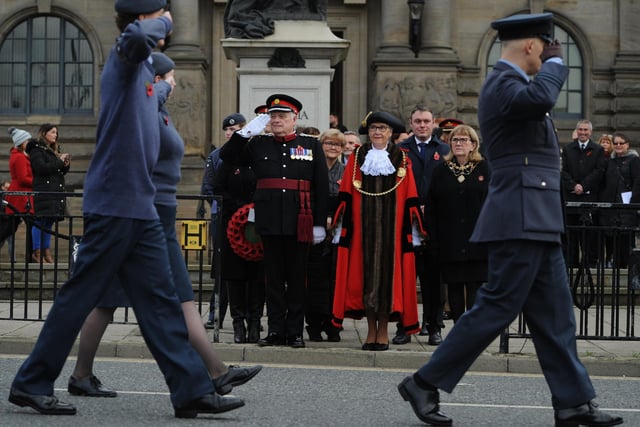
{"x": 603, "y": 265}
{"x": 600, "y": 248}
{"x": 27, "y": 288}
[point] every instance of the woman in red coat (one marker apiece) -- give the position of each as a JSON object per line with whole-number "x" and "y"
{"x": 378, "y": 224}
{"x": 21, "y": 180}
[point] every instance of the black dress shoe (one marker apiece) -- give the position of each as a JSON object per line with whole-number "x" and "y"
{"x": 425, "y": 403}
{"x": 47, "y": 405}
{"x": 208, "y": 404}
{"x": 424, "y": 331}
{"x": 89, "y": 386}
{"x": 314, "y": 333}
{"x": 586, "y": 414}
{"x": 235, "y": 376}
{"x": 435, "y": 338}
{"x": 271, "y": 339}
{"x": 368, "y": 346}
{"x": 380, "y": 346}
{"x": 401, "y": 339}
{"x": 296, "y": 342}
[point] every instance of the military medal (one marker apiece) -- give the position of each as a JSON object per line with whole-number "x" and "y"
{"x": 461, "y": 179}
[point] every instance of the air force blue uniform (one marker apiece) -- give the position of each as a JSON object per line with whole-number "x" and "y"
{"x": 521, "y": 222}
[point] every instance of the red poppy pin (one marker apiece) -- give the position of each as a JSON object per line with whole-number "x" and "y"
{"x": 149, "y": 87}
{"x": 481, "y": 178}
{"x": 166, "y": 120}
{"x": 588, "y": 153}
{"x": 436, "y": 156}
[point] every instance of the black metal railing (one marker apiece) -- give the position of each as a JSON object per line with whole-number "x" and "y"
{"x": 28, "y": 288}
{"x": 600, "y": 248}
{"x": 603, "y": 265}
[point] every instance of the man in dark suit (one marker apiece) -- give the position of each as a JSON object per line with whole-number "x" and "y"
{"x": 520, "y": 222}
{"x": 583, "y": 164}
{"x": 290, "y": 201}
{"x": 426, "y": 152}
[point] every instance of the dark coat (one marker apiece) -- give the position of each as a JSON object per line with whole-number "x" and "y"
{"x": 48, "y": 176}
{"x": 276, "y": 209}
{"x": 524, "y": 200}
{"x": 236, "y": 186}
{"x": 582, "y": 167}
{"x": 423, "y": 169}
{"x": 622, "y": 175}
{"x": 450, "y": 216}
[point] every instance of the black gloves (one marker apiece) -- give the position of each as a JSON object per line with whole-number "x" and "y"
{"x": 552, "y": 50}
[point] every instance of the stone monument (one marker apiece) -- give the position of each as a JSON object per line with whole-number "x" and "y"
{"x": 287, "y": 47}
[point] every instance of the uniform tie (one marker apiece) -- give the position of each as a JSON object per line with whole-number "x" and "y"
{"x": 423, "y": 150}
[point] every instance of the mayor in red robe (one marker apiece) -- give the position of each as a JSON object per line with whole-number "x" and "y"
{"x": 377, "y": 224}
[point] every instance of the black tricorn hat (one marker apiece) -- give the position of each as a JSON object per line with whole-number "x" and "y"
{"x": 381, "y": 117}
{"x": 524, "y": 26}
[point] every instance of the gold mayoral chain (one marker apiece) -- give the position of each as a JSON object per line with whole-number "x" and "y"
{"x": 400, "y": 176}
{"x": 461, "y": 172}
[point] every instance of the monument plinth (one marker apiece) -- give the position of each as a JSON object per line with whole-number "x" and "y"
{"x": 296, "y": 59}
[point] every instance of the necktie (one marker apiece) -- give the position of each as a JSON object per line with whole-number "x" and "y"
{"x": 583, "y": 147}
{"x": 423, "y": 150}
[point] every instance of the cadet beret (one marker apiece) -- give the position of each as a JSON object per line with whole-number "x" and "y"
{"x": 261, "y": 109}
{"x": 233, "y": 119}
{"x": 447, "y": 125}
{"x": 524, "y": 26}
{"x": 381, "y": 117}
{"x": 137, "y": 7}
{"x": 19, "y": 136}
{"x": 162, "y": 64}
{"x": 279, "y": 102}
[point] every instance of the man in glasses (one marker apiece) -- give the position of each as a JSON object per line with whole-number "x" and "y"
{"x": 521, "y": 222}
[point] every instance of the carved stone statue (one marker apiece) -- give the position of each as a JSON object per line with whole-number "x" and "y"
{"x": 253, "y": 19}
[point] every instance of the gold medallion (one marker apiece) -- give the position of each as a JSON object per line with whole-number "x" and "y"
{"x": 357, "y": 183}
{"x": 461, "y": 179}
{"x": 402, "y": 172}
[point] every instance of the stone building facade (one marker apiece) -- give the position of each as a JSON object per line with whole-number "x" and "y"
{"x": 380, "y": 70}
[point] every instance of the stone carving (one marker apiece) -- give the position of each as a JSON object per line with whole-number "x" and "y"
{"x": 187, "y": 109}
{"x": 400, "y": 96}
{"x": 253, "y": 19}
{"x": 286, "y": 57}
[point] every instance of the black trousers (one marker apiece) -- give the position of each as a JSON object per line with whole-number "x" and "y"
{"x": 285, "y": 265}
{"x": 431, "y": 289}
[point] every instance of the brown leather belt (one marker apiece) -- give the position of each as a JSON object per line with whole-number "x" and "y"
{"x": 283, "y": 184}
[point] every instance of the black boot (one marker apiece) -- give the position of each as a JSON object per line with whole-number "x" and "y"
{"x": 239, "y": 331}
{"x": 254, "y": 331}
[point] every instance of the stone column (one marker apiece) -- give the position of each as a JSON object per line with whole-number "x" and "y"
{"x": 436, "y": 29}
{"x": 626, "y": 69}
{"x": 394, "y": 28}
{"x": 188, "y": 105}
{"x": 185, "y": 38}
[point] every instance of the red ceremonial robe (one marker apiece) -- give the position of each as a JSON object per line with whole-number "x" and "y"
{"x": 376, "y": 266}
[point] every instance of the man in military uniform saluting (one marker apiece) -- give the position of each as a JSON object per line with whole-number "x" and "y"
{"x": 521, "y": 222}
{"x": 290, "y": 209}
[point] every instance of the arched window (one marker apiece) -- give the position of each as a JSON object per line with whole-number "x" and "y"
{"x": 46, "y": 67}
{"x": 569, "y": 103}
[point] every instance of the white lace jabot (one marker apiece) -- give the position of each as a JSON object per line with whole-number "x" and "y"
{"x": 377, "y": 163}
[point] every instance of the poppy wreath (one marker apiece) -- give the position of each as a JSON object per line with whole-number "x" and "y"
{"x": 243, "y": 239}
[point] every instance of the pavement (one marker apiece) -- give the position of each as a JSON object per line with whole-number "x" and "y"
{"x": 602, "y": 358}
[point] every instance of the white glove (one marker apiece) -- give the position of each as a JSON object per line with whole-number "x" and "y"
{"x": 319, "y": 234}
{"x": 255, "y": 126}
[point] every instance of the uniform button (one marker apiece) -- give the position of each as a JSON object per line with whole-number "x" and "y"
{"x": 284, "y": 154}
{"x": 284, "y": 191}
{"x": 543, "y": 183}
{"x": 284, "y": 166}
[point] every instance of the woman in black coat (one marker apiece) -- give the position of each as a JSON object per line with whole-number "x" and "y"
{"x": 49, "y": 167}
{"x": 622, "y": 185}
{"x": 456, "y": 194}
{"x": 243, "y": 278}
